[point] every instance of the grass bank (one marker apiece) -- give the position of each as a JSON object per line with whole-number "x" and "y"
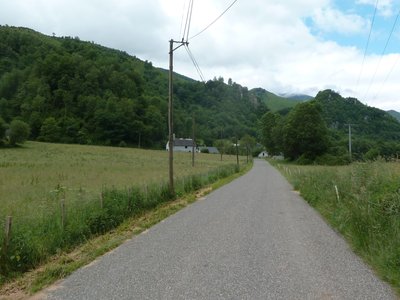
{"x": 362, "y": 201}
{"x": 61, "y": 195}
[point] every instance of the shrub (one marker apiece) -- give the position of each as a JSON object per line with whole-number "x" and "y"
{"x": 19, "y": 132}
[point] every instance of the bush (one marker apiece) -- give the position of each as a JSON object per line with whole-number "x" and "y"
{"x": 19, "y": 132}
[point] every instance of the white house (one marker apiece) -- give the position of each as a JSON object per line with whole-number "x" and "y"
{"x": 183, "y": 145}
{"x": 263, "y": 154}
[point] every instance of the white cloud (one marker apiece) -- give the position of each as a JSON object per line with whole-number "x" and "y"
{"x": 385, "y": 7}
{"x": 332, "y": 20}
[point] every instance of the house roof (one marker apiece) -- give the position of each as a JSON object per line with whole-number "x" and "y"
{"x": 213, "y": 150}
{"x": 183, "y": 143}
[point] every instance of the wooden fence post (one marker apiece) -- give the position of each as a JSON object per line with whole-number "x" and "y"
{"x": 129, "y": 200}
{"x": 6, "y": 242}
{"x": 337, "y": 193}
{"x": 7, "y": 234}
{"x": 63, "y": 213}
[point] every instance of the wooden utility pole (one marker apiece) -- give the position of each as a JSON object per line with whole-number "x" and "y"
{"x": 170, "y": 113}
{"x": 193, "y": 140}
{"x": 350, "y": 140}
{"x": 237, "y": 152}
{"x": 170, "y": 119}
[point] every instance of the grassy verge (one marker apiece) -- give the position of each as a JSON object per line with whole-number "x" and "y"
{"x": 65, "y": 262}
{"x": 362, "y": 201}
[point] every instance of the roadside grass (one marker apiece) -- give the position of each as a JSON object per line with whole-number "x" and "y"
{"x": 53, "y": 194}
{"x": 365, "y": 209}
{"x": 63, "y": 264}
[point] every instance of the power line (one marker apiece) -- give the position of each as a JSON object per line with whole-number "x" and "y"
{"x": 188, "y": 21}
{"x": 212, "y": 23}
{"x": 367, "y": 45}
{"x": 383, "y": 53}
{"x": 183, "y": 16}
{"x": 196, "y": 65}
{"x": 388, "y": 75}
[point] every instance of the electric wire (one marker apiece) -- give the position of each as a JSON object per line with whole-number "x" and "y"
{"x": 185, "y": 37}
{"x": 383, "y": 53}
{"x": 183, "y": 16}
{"x": 367, "y": 45}
{"x": 190, "y": 20}
{"x": 196, "y": 65}
{"x": 212, "y": 23}
{"x": 387, "y": 76}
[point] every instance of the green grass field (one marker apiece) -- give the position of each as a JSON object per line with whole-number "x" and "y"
{"x": 34, "y": 178}
{"x": 362, "y": 201}
{"x": 33, "y": 175}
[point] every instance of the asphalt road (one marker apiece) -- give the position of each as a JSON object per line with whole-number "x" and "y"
{"x": 251, "y": 239}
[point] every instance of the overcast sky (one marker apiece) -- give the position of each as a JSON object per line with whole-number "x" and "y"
{"x": 286, "y": 46}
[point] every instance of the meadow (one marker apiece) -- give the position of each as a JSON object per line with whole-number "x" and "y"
{"x": 97, "y": 186}
{"x": 362, "y": 202}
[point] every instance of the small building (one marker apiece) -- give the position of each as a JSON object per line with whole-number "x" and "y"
{"x": 263, "y": 154}
{"x": 212, "y": 150}
{"x": 183, "y": 145}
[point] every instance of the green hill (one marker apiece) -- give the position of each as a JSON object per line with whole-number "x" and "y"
{"x": 367, "y": 121}
{"x": 274, "y": 102}
{"x": 374, "y": 132}
{"x": 73, "y": 91}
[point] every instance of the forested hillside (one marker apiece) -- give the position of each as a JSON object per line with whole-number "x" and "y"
{"x": 318, "y": 130}
{"x": 72, "y": 91}
{"x": 366, "y": 121}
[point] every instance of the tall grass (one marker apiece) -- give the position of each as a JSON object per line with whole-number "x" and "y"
{"x": 367, "y": 211}
{"x": 101, "y": 187}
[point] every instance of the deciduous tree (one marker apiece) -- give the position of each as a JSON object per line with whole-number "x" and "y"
{"x": 305, "y": 132}
{"x": 19, "y": 132}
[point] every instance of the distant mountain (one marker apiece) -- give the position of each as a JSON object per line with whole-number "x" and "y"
{"x": 295, "y": 96}
{"x": 274, "y": 102}
{"x": 394, "y": 113}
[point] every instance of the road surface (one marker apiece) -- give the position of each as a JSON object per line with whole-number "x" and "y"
{"x": 252, "y": 239}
